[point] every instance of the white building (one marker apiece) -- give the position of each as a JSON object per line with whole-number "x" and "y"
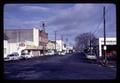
{"x": 60, "y": 45}
{"x": 6, "y": 48}
{"x": 28, "y": 39}
{"x": 110, "y": 45}
{"x": 17, "y": 37}
{"x": 51, "y": 45}
{"x": 69, "y": 48}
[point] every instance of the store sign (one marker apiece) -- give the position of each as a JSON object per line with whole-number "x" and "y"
{"x": 109, "y": 42}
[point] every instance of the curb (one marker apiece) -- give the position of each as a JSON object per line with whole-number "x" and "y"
{"x": 111, "y": 66}
{"x": 106, "y": 65}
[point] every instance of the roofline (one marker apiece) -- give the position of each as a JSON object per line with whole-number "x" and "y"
{"x": 106, "y": 37}
{"x": 17, "y": 29}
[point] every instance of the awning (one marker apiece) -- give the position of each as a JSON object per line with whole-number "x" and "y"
{"x": 33, "y": 48}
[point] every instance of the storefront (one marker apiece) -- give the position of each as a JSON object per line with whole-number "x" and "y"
{"x": 111, "y": 47}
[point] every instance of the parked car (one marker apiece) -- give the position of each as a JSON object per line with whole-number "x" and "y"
{"x": 50, "y": 53}
{"x": 63, "y": 53}
{"x": 25, "y": 56}
{"x": 91, "y": 56}
{"x": 12, "y": 56}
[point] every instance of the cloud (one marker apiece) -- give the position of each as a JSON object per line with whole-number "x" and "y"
{"x": 75, "y": 18}
{"x": 79, "y": 19}
{"x": 34, "y": 8}
{"x": 42, "y": 9}
{"x": 71, "y": 15}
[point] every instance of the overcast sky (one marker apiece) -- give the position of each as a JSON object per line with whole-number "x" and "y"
{"x": 68, "y": 20}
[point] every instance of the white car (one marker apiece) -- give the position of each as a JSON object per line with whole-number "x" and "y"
{"x": 91, "y": 56}
{"x": 63, "y": 53}
{"x": 50, "y": 53}
{"x": 26, "y": 56}
{"x": 13, "y": 56}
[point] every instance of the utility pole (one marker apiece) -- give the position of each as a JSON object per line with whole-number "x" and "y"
{"x": 55, "y": 42}
{"x": 61, "y": 42}
{"x": 43, "y": 26}
{"x": 66, "y": 45}
{"x": 19, "y": 35}
{"x": 44, "y": 46}
{"x": 90, "y": 45}
{"x": 19, "y": 38}
{"x": 105, "y": 59}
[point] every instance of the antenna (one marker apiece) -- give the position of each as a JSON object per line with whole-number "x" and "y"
{"x": 43, "y": 26}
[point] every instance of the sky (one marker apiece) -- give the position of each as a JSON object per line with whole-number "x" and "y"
{"x": 68, "y": 20}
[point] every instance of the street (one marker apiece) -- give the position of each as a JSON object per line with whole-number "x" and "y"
{"x": 58, "y": 67}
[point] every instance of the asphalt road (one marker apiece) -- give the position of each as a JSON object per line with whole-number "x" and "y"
{"x": 67, "y": 67}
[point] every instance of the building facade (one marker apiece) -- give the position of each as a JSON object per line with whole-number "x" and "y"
{"x": 69, "y": 49}
{"x": 27, "y": 39}
{"x": 60, "y": 45}
{"x": 111, "y": 46}
{"x": 51, "y": 45}
{"x": 43, "y": 41}
{"x": 6, "y": 48}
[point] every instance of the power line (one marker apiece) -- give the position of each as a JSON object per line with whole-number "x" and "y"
{"x": 98, "y": 27}
{"x": 100, "y": 23}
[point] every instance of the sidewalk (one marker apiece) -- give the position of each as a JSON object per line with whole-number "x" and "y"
{"x": 112, "y": 64}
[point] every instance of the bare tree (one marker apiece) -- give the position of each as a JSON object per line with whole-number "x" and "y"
{"x": 82, "y": 41}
